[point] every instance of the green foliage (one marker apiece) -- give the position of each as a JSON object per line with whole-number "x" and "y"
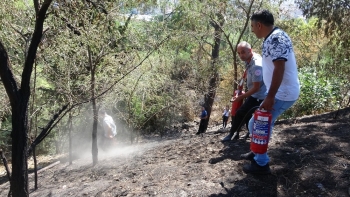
{"x": 318, "y": 93}
{"x": 307, "y": 39}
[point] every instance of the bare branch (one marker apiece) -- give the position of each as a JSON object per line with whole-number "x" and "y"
{"x": 246, "y": 23}
{"x": 19, "y": 32}
{"x": 98, "y": 6}
{"x": 243, "y": 8}
{"x": 33, "y": 47}
{"x": 233, "y": 48}
{"x": 49, "y": 126}
{"x": 70, "y": 26}
{"x": 132, "y": 69}
{"x": 8, "y": 78}
{"x": 201, "y": 45}
{"x": 166, "y": 107}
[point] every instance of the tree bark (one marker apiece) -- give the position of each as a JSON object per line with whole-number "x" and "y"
{"x": 19, "y": 106}
{"x": 19, "y": 180}
{"x": 70, "y": 127}
{"x": 94, "y": 149}
{"x": 19, "y": 99}
{"x": 213, "y": 82}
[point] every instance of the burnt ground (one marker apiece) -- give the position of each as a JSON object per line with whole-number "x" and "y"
{"x": 310, "y": 156}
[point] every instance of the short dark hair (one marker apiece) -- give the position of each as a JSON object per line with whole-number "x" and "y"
{"x": 264, "y": 16}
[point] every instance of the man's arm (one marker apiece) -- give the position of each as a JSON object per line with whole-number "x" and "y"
{"x": 254, "y": 89}
{"x": 277, "y": 77}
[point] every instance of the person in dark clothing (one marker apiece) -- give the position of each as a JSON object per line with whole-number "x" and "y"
{"x": 203, "y": 122}
{"x": 256, "y": 89}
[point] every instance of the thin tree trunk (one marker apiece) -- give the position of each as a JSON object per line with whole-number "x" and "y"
{"x": 33, "y": 104}
{"x": 70, "y": 138}
{"x": 94, "y": 134}
{"x": 94, "y": 149}
{"x": 234, "y": 48}
{"x": 213, "y": 82}
{"x": 35, "y": 170}
{"x": 235, "y": 85}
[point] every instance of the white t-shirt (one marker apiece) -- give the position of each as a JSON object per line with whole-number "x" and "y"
{"x": 226, "y": 112}
{"x": 108, "y": 122}
{"x": 278, "y": 46}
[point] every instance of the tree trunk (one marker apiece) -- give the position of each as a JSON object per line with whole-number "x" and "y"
{"x": 35, "y": 170}
{"x": 94, "y": 134}
{"x": 234, "y": 47}
{"x": 213, "y": 82}
{"x": 19, "y": 98}
{"x": 70, "y": 127}
{"x": 94, "y": 149}
{"x": 19, "y": 179}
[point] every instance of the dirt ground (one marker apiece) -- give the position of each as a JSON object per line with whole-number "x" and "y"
{"x": 310, "y": 156}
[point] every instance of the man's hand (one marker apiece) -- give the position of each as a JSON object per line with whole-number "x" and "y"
{"x": 238, "y": 98}
{"x": 268, "y": 103}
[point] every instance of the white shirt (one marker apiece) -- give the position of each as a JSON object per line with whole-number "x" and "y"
{"x": 278, "y": 46}
{"x": 109, "y": 123}
{"x": 226, "y": 113}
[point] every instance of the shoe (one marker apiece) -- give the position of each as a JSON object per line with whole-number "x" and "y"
{"x": 227, "y": 138}
{"x": 248, "y": 156}
{"x": 254, "y": 168}
{"x": 198, "y": 133}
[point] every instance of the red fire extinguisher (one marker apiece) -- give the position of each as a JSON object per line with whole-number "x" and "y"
{"x": 239, "y": 91}
{"x": 261, "y": 131}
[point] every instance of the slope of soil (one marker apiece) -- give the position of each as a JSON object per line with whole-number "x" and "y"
{"x": 310, "y": 156}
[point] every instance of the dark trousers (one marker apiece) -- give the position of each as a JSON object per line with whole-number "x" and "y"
{"x": 243, "y": 114}
{"x": 203, "y": 124}
{"x": 224, "y": 121}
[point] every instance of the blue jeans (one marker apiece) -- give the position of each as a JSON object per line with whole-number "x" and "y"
{"x": 278, "y": 108}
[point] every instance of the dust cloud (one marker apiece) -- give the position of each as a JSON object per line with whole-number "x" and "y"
{"x": 122, "y": 145}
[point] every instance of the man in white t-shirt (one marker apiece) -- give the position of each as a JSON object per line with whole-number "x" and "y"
{"x": 109, "y": 129}
{"x": 280, "y": 76}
